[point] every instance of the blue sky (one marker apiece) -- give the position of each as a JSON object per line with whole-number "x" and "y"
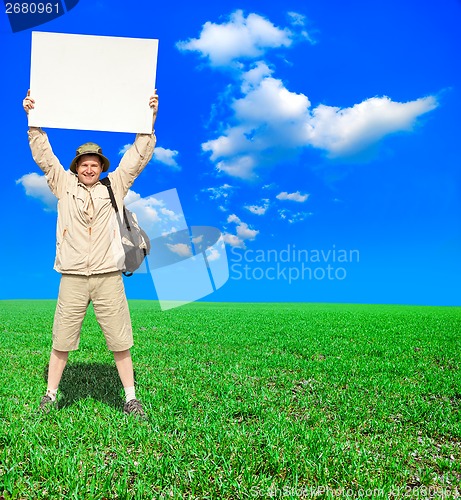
{"x": 320, "y": 138}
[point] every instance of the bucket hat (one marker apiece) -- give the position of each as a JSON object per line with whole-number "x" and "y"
{"x": 89, "y": 148}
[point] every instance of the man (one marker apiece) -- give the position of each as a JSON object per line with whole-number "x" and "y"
{"x": 89, "y": 252}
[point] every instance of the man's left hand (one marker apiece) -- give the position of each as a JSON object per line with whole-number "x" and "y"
{"x": 153, "y": 103}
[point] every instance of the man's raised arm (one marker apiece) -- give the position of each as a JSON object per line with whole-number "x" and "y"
{"x": 137, "y": 156}
{"x": 42, "y": 152}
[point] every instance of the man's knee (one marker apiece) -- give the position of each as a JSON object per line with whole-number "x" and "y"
{"x": 120, "y": 355}
{"x": 60, "y": 354}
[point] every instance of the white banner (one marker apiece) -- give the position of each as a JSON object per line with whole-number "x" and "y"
{"x": 89, "y": 82}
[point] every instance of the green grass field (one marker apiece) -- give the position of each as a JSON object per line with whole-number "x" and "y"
{"x": 244, "y": 401}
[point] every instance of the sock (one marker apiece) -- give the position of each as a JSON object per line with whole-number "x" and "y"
{"x": 52, "y": 393}
{"x": 129, "y": 393}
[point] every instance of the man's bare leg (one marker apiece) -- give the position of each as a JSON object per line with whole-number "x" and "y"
{"x": 125, "y": 371}
{"x": 124, "y": 367}
{"x": 58, "y": 361}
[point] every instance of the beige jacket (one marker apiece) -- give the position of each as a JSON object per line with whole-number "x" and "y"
{"x": 88, "y": 236}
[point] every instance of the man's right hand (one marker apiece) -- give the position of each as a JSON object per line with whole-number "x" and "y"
{"x": 28, "y": 103}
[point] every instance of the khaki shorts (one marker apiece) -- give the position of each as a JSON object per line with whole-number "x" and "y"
{"x": 107, "y": 293}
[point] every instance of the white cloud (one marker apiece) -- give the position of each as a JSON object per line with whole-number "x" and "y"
{"x": 297, "y": 19}
{"x": 297, "y": 196}
{"x": 346, "y": 131}
{"x": 270, "y": 122}
{"x": 215, "y": 193}
{"x": 233, "y": 240}
{"x": 124, "y": 149}
{"x": 161, "y": 155}
{"x": 243, "y": 233}
{"x": 213, "y": 253}
{"x": 239, "y": 38}
{"x": 254, "y": 76}
{"x": 181, "y": 249}
{"x": 221, "y": 194}
{"x": 171, "y": 229}
{"x": 167, "y": 157}
{"x": 269, "y": 102}
{"x": 170, "y": 214}
{"x": 131, "y": 197}
{"x": 258, "y": 209}
{"x": 236, "y": 166}
{"x": 292, "y": 217}
{"x": 153, "y": 216}
{"x": 233, "y": 218}
{"x": 36, "y": 186}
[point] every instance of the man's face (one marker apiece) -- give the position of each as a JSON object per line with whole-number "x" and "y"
{"x": 89, "y": 169}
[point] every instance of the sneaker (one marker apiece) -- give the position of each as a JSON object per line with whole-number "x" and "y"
{"x": 47, "y": 403}
{"x": 134, "y": 407}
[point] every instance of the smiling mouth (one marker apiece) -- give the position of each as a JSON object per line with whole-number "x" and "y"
{"x": 88, "y": 177}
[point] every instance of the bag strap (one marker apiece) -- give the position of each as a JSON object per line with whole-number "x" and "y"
{"x": 106, "y": 182}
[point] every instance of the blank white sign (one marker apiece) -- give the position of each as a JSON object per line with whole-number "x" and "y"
{"x": 89, "y": 82}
